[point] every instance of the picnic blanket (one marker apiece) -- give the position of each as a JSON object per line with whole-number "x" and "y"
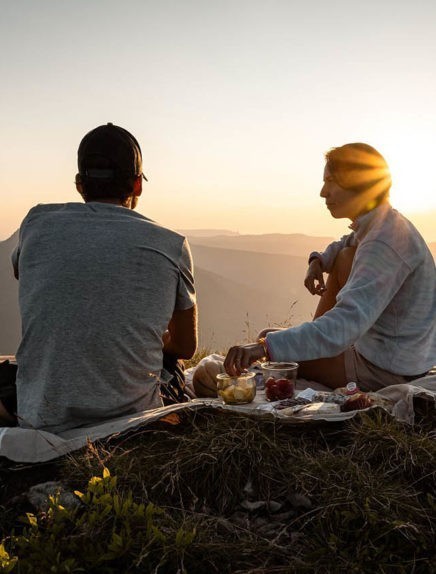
{"x": 32, "y": 445}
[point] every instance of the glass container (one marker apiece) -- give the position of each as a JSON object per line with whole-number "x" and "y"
{"x": 236, "y": 390}
{"x": 279, "y": 380}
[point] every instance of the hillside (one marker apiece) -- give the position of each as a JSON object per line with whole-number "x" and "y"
{"x": 278, "y": 243}
{"x": 231, "y": 311}
{"x": 292, "y": 244}
{"x": 239, "y": 287}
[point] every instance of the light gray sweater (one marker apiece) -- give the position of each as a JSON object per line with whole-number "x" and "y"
{"x": 387, "y": 309}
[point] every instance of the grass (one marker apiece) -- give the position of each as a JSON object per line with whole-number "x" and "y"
{"x": 237, "y": 494}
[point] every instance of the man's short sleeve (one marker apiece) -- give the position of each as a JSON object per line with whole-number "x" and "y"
{"x": 15, "y": 256}
{"x": 186, "y": 297}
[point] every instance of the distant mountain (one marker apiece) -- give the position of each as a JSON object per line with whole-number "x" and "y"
{"x": 234, "y": 307}
{"x": 232, "y": 312}
{"x": 275, "y": 274}
{"x": 206, "y": 232}
{"x": 293, "y": 244}
{"x": 244, "y": 283}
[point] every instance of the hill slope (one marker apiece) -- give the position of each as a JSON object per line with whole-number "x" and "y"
{"x": 278, "y": 243}
{"x": 277, "y": 281}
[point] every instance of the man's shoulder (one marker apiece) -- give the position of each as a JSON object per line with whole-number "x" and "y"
{"x": 46, "y": 208}
{"x": 163, "y": 231}
{"x": 41, "y": 209}
{"x": 108, "y": 209}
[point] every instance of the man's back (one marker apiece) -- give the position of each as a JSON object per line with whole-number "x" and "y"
{"x": 98, "y": 287}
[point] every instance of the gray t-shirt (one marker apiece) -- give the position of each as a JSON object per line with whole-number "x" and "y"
{"x": 98, "y": 284}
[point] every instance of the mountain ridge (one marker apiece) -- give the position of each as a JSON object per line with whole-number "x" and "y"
{"x": 239, "y": 291}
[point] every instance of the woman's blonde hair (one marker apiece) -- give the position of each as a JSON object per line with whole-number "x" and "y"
{"x": 361, "y": 168}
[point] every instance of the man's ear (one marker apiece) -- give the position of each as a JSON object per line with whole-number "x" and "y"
{"x": 137, "y": 186}
{"x": 79, "y": 184}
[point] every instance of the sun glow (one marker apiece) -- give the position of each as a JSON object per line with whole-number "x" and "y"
{"x": 413, "y": 181}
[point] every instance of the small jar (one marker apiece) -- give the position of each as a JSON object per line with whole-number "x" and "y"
{"x": 236, "y": 390}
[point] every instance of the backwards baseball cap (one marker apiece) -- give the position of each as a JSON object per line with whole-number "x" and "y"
{"x": 112, "y": 147}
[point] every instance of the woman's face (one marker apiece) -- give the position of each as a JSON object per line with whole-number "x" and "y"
{"x": 339, "y": 201}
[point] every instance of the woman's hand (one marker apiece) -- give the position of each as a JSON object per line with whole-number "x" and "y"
{"x": 241, "y": 357}
{"x": 314, "y": 280}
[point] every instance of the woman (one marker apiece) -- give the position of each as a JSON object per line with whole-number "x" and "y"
{"x": 375, "y": 322}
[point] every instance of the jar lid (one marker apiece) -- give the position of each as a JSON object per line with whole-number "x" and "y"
{"x": 351, "y": 388}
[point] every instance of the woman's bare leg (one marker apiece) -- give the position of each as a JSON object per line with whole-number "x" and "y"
{"x": 330, "y": 371}
{"x": 336, "y": 280}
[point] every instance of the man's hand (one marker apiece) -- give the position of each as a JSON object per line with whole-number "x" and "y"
{"x": 314, "y": 280}
{"x": 241, "y": 357}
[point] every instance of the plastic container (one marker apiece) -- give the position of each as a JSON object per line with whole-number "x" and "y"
{"x": 236, "y": 390}
{"x": 279, "y": 380}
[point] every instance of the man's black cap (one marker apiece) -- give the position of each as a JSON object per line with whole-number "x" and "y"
{"x": 117, "y": 147}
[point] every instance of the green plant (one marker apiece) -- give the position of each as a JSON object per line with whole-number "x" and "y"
{"x": 108, "y": 530}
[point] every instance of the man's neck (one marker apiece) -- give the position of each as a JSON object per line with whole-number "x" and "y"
{"x": 113, "y": 201}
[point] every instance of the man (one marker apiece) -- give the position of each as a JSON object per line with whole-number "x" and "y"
{"x": 376, "y": 320}
{"x": 106, "y": 296}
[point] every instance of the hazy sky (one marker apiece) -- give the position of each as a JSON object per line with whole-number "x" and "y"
{"x": 234, "y": 103}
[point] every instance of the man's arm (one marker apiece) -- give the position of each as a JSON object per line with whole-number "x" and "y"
{"x": 14, "y": 259}
{"x": 180, "y": 339}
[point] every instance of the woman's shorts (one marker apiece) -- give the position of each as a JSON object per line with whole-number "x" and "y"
{"x": 369, "y": 376}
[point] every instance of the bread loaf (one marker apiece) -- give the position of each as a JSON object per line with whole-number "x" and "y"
{"x": 204, "y": 379}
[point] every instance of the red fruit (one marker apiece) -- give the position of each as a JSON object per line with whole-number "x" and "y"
{"x": 285, "y": 388}
{"x": 271, "y": 392}
{"x": 270, "y": 382}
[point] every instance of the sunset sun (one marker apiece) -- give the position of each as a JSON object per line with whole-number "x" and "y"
{"x": 413, "y": 181}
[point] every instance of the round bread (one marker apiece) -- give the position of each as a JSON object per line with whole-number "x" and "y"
{"x": 204, "y": 379}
